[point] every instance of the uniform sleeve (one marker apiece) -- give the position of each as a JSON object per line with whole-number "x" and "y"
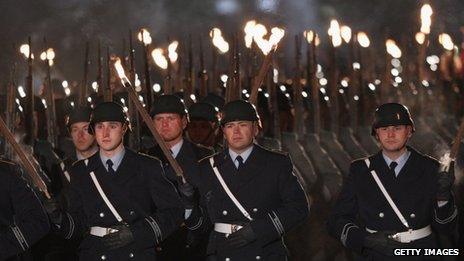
{"x": 30, "y": 220}
{"x": 167, "y": 217}
{"x": 293, "y": 209}
{"x": 342, "y": 221}
{"x": 444, "y": 219}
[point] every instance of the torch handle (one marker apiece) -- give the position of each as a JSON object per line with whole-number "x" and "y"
{"x": 149, "y": 122}
{"x": 25, "y": 162}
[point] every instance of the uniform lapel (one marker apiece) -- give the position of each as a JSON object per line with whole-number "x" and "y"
{"x": 126, "y": 169}
{"x": 252, "y": 168}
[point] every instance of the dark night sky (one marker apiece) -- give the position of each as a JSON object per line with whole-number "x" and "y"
{"x": 67, "y": 24}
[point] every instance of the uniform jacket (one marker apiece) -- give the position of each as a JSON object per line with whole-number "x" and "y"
{"x": 361, "y": 203}
{"x": 23, "y": 221}
{"x": 140, "y": 193}
{"x": 181, "y": 245}
{"x": 267, "y": 189}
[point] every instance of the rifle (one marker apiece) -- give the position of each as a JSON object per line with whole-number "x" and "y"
{"x": 83, "y": 92}
{"x": 203, "y": 75}
{"x": 108, "y": 94}
{"x": 135, "y": 137}
{"x": 148, "y": 87}
{"x": 24, "y": 160}
{"x": 10, "y": 105}
{"x": 51, "y": 111}
{"x": 315, "y": 122}
{"x": 297, "y": 89}
{"x": 101, "y": 90}
{"x": 29, "y": 110}
{"x": 259, "y": 79}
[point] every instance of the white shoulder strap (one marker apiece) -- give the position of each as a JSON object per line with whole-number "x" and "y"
{"x": 227, "y": 190}
{"x": 386, "y": 195}
{"x": 103, "y": 195}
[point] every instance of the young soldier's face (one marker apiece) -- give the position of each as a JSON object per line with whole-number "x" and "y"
{"x": 109, "y": 134}
{"x": 240, "y": 134}
{"x": 82, "y": 139}
{"x": 393, "y": 138}
{"x": 170, "y": 126}
{"x": 199, "y": 131}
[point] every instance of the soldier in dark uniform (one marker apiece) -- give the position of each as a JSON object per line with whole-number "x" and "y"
{"x": 250, "y": 194}
{"x": 53, "y": 247}
{"x": 204, "y": 124}
{"x": 170, "y": 118}
{"x": 120, "y": 201}
{"x": 23, "y": 221}
{"x": 371, "y": 225}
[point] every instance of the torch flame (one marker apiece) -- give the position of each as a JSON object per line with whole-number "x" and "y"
{"x": 249, "y": 32}
{"x": 420, "y": 38}
{"x": 50, "y": 54}
{"x": 363, "y": 39}
{"x": 426, "y": 18}
{"x": 310, "y": 35}
{"x": 218, "y": 40}
{"x": 276, "y": 35}
{"x": 119, "y": 69}
{"x": 345, "y": 32}
{"x": 334, "y": 33}
{"x": 144, "y": 36}
{"x": 43, "y": 56}
{"x": 446, "y": 41}
{"x": 393, "y": 49}
{"x": 172, "y": 54}
{"x": 25, "y": 49}
{"x": 158, "y": 57}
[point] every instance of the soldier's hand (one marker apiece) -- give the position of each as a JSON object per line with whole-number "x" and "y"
{"x": 118, "y": 239}
{"x": 241, "y": 237}
{"x": 445, "y": 181}
{"x": 381, "y": 242}
{"x": 53, "y": 209}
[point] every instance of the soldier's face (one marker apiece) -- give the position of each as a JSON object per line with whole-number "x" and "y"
{"x": 109, "y": 134}
{"x": 199, "y": 131}
{"x": 240, "y": 134}
{"x": 393, "y": 138}
{"x": 82, "y": 140}
{"x": 170, "y": 126}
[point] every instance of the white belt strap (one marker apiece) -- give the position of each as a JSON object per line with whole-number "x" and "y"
{"x": 103, "y": 195}
{"x": 65, "y": 172}
{"x": 226, "y": 228}
{"x": 102, "y": 231}
{"x": 410, "y": 235}
{"x": 227, "y": 190}
{"x": 387, "y": 196}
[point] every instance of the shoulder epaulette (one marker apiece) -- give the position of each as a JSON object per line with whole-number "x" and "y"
{"x": 209, "y": 156}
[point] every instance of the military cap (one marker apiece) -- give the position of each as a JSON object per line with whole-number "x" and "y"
{"x": 81, "y": 114}
{"x": 239, "y": 110}
{"x": 168, "y": 104}
{"x": 391, "y": 114}
{"x": 108, "y": 111}
{"x": 215, "y": 100}
{"x": 203, "y": 111}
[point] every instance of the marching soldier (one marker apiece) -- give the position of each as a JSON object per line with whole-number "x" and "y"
{"x": 53, "y": 247}
{"x": 23, "y": 221}
{"x": 203, "y": 127}
{"x": 395, "y": 198}
{"x": 252, "y": 197}
{"x": 120, "y": 201}
{"x": 170, "y": 118}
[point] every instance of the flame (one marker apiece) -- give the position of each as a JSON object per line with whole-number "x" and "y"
{"x": 25, "y": 49}
{"x": 345, "y": 32}
{"x": 276, "y": 35}
{"x": 65, "y": 84}
{"x": 172, "y": 54}
{"x": 334, "y": 33}
{"x": 363, "y": 39}
{"x": 446, "y": 41}
{"x": 218, "y": 40}
{"x": 144, "y": 36}
{"x": 310, "y": 35}
{"x": 119, "y": 69}
{"x": 393, "y": 49}
{"x": 158, "y": 57}
{"x": 420, "y": 38}
{"x": 249, "y": 32}
{"x": 426, "y": 18}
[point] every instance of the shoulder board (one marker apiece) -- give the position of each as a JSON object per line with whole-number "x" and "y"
{"x": 77, "y": 162}
{"x": 209, "y": 156}
{"x": 147, "y": 156}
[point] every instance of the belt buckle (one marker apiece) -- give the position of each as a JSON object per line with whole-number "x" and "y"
{"x": 234, "y": 228}
{"x": 111, "y": 230}
{"x": 396, "y": 237}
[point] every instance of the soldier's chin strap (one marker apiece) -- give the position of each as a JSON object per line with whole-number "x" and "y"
{"x": 386, "y": 195}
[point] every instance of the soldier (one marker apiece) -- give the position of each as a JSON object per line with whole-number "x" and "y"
{"x": 204, "y": 124}
{"x": 393, "y": 199}
{"x": 53, "y": 247}
{"x": 251, "y": 195}
{"x": 170, "y": 118}
{"x": 120, "y": 201}
{"x": 23, "y": 221}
